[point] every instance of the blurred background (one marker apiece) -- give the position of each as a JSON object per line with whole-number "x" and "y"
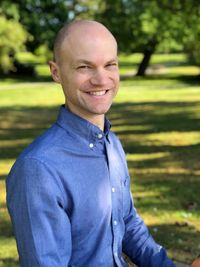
{"x": 156, "y": 113}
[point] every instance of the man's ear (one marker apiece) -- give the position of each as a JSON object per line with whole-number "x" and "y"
{"x": 54, "y": 71}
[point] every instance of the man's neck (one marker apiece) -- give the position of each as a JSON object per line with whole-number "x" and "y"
{"x": 98, "y": 120}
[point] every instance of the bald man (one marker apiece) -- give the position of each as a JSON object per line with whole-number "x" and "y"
{"x": 68, "y": 193}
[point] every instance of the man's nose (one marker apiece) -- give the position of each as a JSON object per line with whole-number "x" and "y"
{"x": 100, "y": 77}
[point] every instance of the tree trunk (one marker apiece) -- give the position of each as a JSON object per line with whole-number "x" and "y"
{"x": 146, "y": 58}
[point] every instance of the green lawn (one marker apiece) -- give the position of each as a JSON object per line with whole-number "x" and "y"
{"x": 157, "y": 119}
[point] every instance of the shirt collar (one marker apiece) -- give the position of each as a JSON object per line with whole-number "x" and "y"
{"x": 72, "y": 122}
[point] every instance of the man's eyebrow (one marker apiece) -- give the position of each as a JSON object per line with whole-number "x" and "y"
{"x": 113, "y": 60}
{"x": 84, "y": 61}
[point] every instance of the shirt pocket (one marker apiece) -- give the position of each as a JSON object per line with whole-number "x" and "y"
{"x": 126, "y": 200}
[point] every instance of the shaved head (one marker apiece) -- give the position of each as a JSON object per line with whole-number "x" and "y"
{"x": 83, "y": 27}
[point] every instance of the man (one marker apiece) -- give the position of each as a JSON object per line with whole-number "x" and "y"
{"x": 68, "y": 193}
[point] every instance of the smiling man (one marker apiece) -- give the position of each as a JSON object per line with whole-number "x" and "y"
{"x": 68, "y": 193}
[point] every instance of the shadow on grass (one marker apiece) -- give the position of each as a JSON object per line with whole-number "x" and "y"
{"x": 26, "y": 78}
{"x": 157, "y": 116}
{"x": 171, "y": 192}
{"x": 182, "y": 236}
{"x": 2, "y": 177}
{"x": 9, "y": 262}
{"x": 5, "y": 227}
{"x": 171, "y": 63}
{"x": 187, "y": 79}
{"x": 20, "y": 126}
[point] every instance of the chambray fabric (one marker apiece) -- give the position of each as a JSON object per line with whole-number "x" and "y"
{"x": 69, "y": 199}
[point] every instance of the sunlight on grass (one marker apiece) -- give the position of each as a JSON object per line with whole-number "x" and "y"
{"x": 149, "y": 156}
{"x": 133, "y": 58}
{"x": 190, "y": 70}
{"x": 173, "y": 138}
{"x": 156, "y": 91}
{"x": 171, "y": 59}
{"x": 8, "y": 249}
{"x": 41, "y": 93}
{"x": 2, "y": 195}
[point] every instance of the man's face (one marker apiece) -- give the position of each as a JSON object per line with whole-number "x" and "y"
{"x": 88, "y": 71}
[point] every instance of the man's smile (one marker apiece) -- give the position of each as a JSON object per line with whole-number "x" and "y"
{"x": 98, "y": 93}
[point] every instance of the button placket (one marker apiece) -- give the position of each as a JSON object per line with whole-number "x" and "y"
{"x": 116, "y": 196}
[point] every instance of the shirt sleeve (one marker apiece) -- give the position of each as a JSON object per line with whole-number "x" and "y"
{"x": 139, "y": 245}
{"x": 38, "y": 212}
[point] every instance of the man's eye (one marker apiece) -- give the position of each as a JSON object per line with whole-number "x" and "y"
{"x": 111, "y": 65}
{"x": 83, "y": 67}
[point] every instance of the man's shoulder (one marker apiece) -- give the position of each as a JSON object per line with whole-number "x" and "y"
{"x": 45, "y": 145}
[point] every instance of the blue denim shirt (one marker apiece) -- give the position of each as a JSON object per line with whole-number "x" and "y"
{"x": 69, "y": 198}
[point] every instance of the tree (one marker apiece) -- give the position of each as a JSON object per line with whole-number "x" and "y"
{"x": 147, "y": 26}
{"x": 43, "y": 19}
{"x": 191, "y": 38}
{"x": 12, "y": 38}
{"x": 143, "y": 26}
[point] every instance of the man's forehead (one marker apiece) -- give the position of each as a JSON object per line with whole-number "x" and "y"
{"x": 88, "y": 31}
{"x": 89, "y": 52}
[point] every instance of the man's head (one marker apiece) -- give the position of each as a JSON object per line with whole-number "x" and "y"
{"x": 86, "y": 65}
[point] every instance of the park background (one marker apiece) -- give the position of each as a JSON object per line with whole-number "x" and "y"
{"x": 156, "y": 113}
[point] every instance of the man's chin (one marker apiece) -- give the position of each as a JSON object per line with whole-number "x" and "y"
{"x": 101, "y": 110}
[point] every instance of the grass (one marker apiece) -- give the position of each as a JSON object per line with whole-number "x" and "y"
{"x": 157, "y": 119}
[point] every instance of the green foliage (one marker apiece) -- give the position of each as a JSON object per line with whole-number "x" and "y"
{"x": 156, "y": 25}
{"x": 9, "y": 9}
{"x": 139, "y": 26}
{"x": 42, "y": 19}
{"x": 12, "y": 39}
{"x": 43, "y": 53}
{"x": 191, "y": 39}
{"x": 140, "y": 22}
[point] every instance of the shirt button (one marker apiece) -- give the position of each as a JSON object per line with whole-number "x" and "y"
{"x": 113, "y": 189}
{"x": 100, "y": 136}
{"x": 115, "y": 222}
{"x": 91, "y": 145}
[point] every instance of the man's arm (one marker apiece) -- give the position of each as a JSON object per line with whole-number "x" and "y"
{"x": 139, "y": 245}
{"x": 38, "y": 212}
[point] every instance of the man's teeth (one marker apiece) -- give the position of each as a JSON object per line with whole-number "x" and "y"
{"x": 99, "y": 93}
